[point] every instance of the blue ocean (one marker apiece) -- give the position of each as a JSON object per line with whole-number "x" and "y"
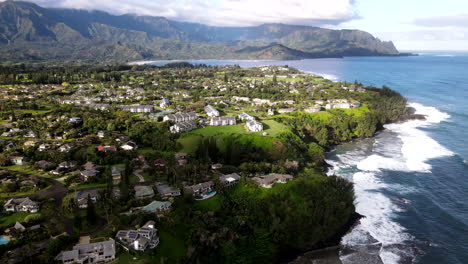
{"x": 411, "y": 180}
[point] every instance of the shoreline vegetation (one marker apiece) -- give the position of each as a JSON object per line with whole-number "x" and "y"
{"x": 303, "y": 116}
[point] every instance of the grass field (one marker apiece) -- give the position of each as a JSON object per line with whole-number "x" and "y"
{"x": 212, "y": 204}
{"x": 7, "y": 220}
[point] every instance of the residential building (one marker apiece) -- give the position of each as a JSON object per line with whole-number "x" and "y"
{"x": 223, "y": 121}
{"x": 21, "y": 205}
{"x": 75, "y": 120}
{"x": 164, "y": 103}
{"x": 245, "y": 116}
{"x": 87, "y": 174}
{"x": 313, "y": 109}
{"x": 130, "y": 145}
{"x": 229, "y": 180}
{"x": 116, "y": 173}
{"x": 81, "y": 198}
{"x": 254, "y": 125}
{"x": 19, "y": 160}
{"x": 136, "y": 108}
{"x": 166, "y": 191}
{"x": 267, "y": 181}
{"x": 211, "y": 111}
{"x": 181, "y": 117}
{"x": 106, "y": 148}
{"x": 141, "y": 239}
{"x": 44, "y": 147}
{"x": 99, "y": 252}
{"x": 286, "y": 110}
{"x": 201, "y": 188}
{"x": 65, "y": 148}
{"x": 143, "y": 191}
{"x": 183, "y": 127}
{"x": 157, "y": 207}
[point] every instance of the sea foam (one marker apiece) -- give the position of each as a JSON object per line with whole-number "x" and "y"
{"x": 403, "y": 147}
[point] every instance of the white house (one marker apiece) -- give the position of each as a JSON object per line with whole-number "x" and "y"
{"x": 164, "y": 103}
{"x": 245, "y": 116}
{"x": 223, "y": 121}
{"x": 21, "y": 205}
{"x": 211, "y": 111}
{"x": 254, "y": 125}
{"x": 183, "y": 127}
{"x": 130, "y": 145}
{"x": 181, "y": 117}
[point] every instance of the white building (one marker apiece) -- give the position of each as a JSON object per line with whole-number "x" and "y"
{"x": 211, "y": 111}
{"x": 223, "y": 121}
{"x": 164, "y": 103}
{"x": 183, "y": 127}
{"x": 245, "y": 116}
{"x": 181, "y": 117}
{"x": 254, "y": 126}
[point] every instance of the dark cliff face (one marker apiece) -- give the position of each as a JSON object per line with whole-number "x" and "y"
{"x": 36, "y": 33}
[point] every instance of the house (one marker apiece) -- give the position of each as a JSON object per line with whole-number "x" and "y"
{"x": 181, "y": 117}
{"x": 99, "y": 252}
{"x": 65, "y": 148}
{"x": 245, "y": 116}
{"x": 181, "y": 158}
{"x": 106, "y": 148}
{"x": 216, "y": 166}
{"x": 67, "y": 165}
{"x": 101, "y": 134}
{"x": 86, "y": 174}
{"x": 223, "y": 121}
{"x": 136, "y": 108}
{"x": 183, "y": 127}
{"x": 271, "y": 112}
{"x": 166, "y": 191}
{"x": 21, "y": 205}
{"x": 159, "y": 163}
{"x": 229, "y": 180}
{"x": 75, "y": 120}
{"x": 164, "y": 103}
{"x": 286, "y": 110}
{"x": 130, "y": 145}
{"x": 44, "y": 147}
{"x": 45, "y": 165}
{"x": 30, "y": 134}
{"x": 313, "y": 109}
{"x": 157, "y": 207}
{"x": 254, "y": 126}
{"x": 116, "y": 173}
{"x": 19, "y": 160}
{"x": 201, "y": 188}
{"x": 267, "y": 181}
{"x": 142, "y": 191}
{"x": 30, "y": 143}
{"x": 141, "y": 239}
{"x": 211, "y": 111}
{"x": 81, "y": 198}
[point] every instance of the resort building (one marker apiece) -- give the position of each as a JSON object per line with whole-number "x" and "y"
{"x": 181, "y": 117}
{"x": 99, "y": 252}
{"x": 201, "y": 188}
{"x": 21, "y": 205}
{"x": 245, "y": 116}
{"x": 183, "y": 127}
{"x": 223, "y": 121}
{"x": 229, "y": 180}
{"x": 211, "y": 111}
{"x": 140, "y": 239}
{"x": 254, "y": 126}
{"x": 267, "y": 181}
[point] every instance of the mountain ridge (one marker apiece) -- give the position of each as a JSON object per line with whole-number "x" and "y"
{"x": 38, "y": 34}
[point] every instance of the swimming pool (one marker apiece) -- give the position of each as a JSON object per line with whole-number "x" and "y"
{"x": 3, "y": 240}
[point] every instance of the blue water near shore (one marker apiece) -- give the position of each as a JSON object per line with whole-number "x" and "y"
{"x": 411, "y": 180}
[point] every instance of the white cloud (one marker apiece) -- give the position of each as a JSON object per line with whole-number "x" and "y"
{"x": 225, "y": 12}
{"x": 459, "y": 20}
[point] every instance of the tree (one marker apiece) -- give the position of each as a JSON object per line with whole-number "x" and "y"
{"x": 90, "y": 212}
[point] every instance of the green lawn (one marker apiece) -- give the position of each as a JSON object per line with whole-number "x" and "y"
{"x": 89, "y": 185}
{"x": 215, "y": 130}
{"x": 273, "y": 128}
{"x": 7, "y": 220}
{"x": 26, "y": 169}
{"x": 212, "y": 204}
{"x": 189, "y": 143}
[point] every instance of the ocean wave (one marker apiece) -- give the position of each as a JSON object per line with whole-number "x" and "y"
{"x": 327, "y": 76}
{"x": 402, "y": 147}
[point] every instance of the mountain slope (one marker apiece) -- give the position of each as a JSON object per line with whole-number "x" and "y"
{"x": 34, "y": 33}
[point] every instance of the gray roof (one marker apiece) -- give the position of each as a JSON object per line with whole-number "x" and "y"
{"x": 164, "y": 189}
{"x": 142, "y": 191}
{"x": 201, "y": 186}
{"x": 229, "y": 178}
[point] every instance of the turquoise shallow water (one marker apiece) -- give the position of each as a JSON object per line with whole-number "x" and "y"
{"x": 411, "y": 180}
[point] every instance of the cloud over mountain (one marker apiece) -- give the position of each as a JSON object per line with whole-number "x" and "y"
{"x": 225, "y": 12}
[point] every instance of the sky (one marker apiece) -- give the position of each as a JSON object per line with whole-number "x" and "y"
{"x": 410, "y": 24}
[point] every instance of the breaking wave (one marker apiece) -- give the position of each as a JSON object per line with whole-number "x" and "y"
{"x": 406, "y": 147}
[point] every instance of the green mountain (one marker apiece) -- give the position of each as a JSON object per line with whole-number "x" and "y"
{"x": 30, "y": 33}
